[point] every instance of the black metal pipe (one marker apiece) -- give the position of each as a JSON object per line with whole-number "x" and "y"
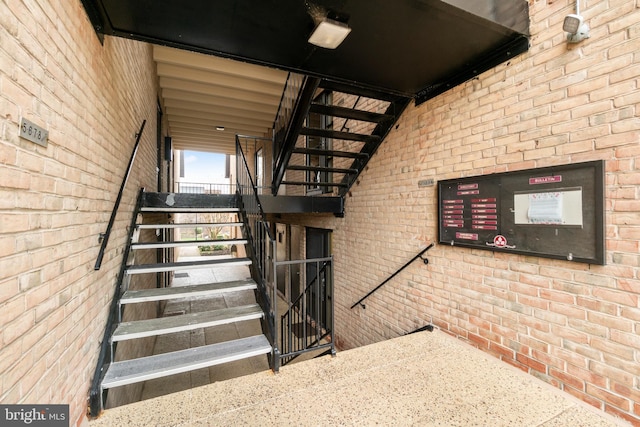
{"x": 112, "y": 219}
{"x": 394, "y": 275}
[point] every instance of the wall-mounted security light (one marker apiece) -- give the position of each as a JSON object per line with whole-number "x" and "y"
{"x": 329, "y": 33}
{"x": 575, "y": 26}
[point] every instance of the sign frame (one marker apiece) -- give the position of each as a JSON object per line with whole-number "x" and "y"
{"x": 552, "y": 212}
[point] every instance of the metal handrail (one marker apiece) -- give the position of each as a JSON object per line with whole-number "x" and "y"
{"x": 425, "y": 260}
{"x": 104, "y": 237}
{"x": 204, "y": 188}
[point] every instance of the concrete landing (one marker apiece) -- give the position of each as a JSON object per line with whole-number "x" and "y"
{"x": 426, "y": 379}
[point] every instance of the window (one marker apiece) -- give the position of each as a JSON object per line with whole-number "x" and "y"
{"x": 259, "y": 170}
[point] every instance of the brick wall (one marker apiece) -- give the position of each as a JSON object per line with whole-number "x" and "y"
{"x": 575, "y": 326}
{"x": 55, "y": 200}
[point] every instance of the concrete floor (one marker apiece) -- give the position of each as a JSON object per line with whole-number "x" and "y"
{"x": 427, "y": 379}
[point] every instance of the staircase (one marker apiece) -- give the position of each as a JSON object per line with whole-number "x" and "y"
{"x": 337, "y": 141}
{"x": 163, "y": 207}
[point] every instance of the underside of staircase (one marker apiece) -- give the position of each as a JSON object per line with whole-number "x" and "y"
{"x": 163, "y": 209}
{"x": 328, "y": 131}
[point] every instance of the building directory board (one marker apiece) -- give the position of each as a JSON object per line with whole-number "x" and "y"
{"x": 554, "y": 212}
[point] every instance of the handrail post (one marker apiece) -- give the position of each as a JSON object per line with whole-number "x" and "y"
{"x": 112, "y": 219}
{"x": 274, "y": 293}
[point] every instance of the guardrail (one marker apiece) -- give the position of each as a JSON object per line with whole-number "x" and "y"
{"x": 203, "y": 188}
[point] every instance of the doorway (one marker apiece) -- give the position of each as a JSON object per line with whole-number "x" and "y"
{"x": 288, "y": 239}
{"x": 318, "y": 246}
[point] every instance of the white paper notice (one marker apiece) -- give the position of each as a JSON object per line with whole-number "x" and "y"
{"x": 563, "y": 207}
{"x": 545, "y": 208}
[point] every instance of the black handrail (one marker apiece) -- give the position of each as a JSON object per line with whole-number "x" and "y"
{"x": 104, "y": 237}
{"x": 426, "y": 261}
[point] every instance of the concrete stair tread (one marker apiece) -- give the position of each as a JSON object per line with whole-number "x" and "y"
{"x": 208, "y": 289}
{"x": 186, "y": 265}
{"x": 160, "y": 365}
{"x": 159, "y": 245}
{"x": 185, "y": 322}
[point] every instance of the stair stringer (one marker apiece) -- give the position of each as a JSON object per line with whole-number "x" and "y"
{"x": 205, "y": 356}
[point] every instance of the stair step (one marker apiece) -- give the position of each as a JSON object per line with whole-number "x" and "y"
{"x": 208, "y": 289}
{"x": 160, "y": 365}
{"x": 336, "y": 134}
{"x": 186, "y": 322}
{"x": 315, "y": 184}
{"x": 186, "y": 200}
{"x": 350, "y": 113}
{"x": 329, "y": 153}
{"x": 190, "y": 225}
{"x": 355, "y": 90}
{"x": 186, "y": 265}
{"x": 187, "y": 210}
{"x": 159, "y": 245}
{"x": 320, "y": 169}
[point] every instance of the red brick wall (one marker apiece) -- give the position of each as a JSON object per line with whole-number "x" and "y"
{"x": 55, "y": 200}
{"x": 575, "y": 326}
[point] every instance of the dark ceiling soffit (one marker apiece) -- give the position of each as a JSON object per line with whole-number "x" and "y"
{"x": 510, "y": 50}
{"x": 301, "y": 204}
{"x": 519, "y": 44}
{"x": 95, "y": 16}
{"x": 517, "y": 11}
{"x": 102, "y": 26}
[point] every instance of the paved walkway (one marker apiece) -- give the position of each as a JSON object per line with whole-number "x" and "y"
{"x": 425, "y": 379}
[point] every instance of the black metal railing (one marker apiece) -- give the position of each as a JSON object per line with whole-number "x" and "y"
{"x": 307, "y": 325}
{"x": 104, "y": 237}
{"x": 261, "y": 247}
{"x": 105, "y": 357}
{"x": 287, "y": 128}
{"x": 425, "y": 260}
{"x": 286, "y": 107}
{"x": 204, "y": 188}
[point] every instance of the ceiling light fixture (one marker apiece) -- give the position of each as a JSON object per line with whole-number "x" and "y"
{"x": 329, "y": 33}
{"x": 220, "y": 128}
{"x": 575, "y": 27}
